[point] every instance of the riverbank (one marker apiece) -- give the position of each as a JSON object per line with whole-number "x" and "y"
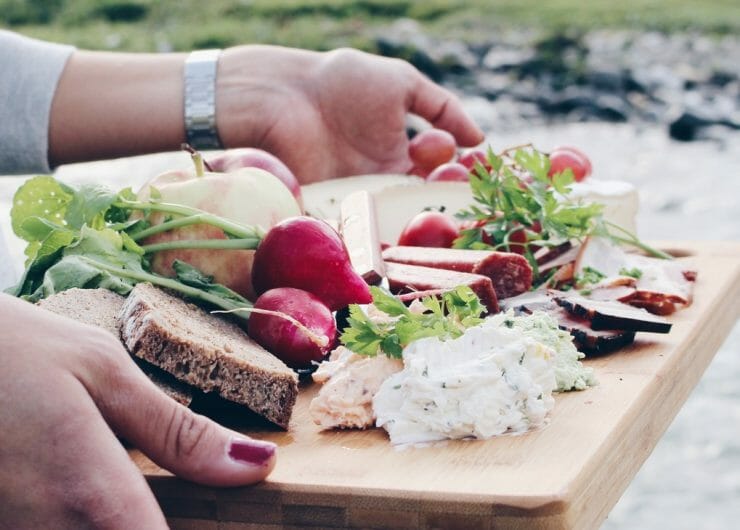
{"x": 529, "y": 65}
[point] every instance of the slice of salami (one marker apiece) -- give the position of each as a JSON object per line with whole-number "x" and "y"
{"x": 509, "y": 273}
{"x": 404, "y": 278}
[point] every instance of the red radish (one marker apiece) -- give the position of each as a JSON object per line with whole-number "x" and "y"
{"x": 308, "y": 254}
{"x": 562, "y": 158}
{"x": 470, "y": 157}
{"x": 432, "y": 147}
{"x": 234, "y": 159}
{"x": 293, "y": 325}
{"x": 429, "y": 229}
{"x": 450, "y": 172}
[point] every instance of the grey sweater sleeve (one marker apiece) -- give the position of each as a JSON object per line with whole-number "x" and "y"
{"x": 30, "y": 73}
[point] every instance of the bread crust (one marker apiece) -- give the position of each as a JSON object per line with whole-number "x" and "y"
{"x": 101, "y": 308}
{"x": 207, "y": 352}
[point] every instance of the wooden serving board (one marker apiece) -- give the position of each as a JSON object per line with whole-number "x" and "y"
{"x": 566, "y": 475}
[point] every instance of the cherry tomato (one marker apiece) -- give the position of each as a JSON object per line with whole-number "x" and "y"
{"x": 562, "y": 158}
{"x": 432, "y": 147}
{"x": 470, "y": 157}
{"x": 450, "y": 172}
{"x": 429, "y": 229}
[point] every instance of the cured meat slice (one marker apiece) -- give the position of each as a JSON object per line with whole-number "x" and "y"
{"x": 550, "y": 258}
{"x": 619, "y": 293}
{"x": 613, "y": 315}
{"x": 659, "y": 284}
{"x": 589, "y": 341}
{"x": 511, "y": 274}
{"x": 404, "y": 278}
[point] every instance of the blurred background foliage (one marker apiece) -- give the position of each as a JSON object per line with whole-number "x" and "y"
{"x": 149, "y": 25}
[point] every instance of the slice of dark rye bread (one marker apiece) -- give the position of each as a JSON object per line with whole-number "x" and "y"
{"x": 101, "y": 308}
{"x": 208, "y": 352}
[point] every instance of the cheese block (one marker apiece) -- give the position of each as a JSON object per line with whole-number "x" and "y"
{"x": 619, "y": 198}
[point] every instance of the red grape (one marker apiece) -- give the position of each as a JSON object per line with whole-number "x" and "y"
{"x": 432, "y": 147}
{"x": 429, "y": 229}
{"x": 451, "y": 172}
{"x": 562, "y": 158}
{"x": 518, "y": 239}
{"x": 470, "y": 157}
{"x": 418, "y": 172}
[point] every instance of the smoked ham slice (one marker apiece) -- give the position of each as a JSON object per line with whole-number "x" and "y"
{"x": 509, "y": 273}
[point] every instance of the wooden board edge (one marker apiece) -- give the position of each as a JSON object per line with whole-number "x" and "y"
{"x": 666, "y": 403}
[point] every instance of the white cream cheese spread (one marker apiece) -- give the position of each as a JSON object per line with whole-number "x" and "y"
{"x": 492, "y": 380}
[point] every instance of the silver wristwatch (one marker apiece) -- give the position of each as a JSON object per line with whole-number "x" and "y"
{"x": 200, "y": 99}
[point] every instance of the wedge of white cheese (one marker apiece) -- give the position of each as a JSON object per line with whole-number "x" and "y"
{"x": 619, "y": 198}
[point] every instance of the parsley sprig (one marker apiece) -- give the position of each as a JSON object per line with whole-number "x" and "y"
{"x": 518, "y": 207}
{"x": 517, "y": 196}
{"x": 458, "y": 310}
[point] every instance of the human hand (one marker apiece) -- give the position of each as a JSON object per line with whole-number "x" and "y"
{"x": 65, "y": 388}
{"x": 330, "y": 114}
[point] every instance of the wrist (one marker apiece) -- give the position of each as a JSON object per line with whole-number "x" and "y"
{"x": 257, "y": 87}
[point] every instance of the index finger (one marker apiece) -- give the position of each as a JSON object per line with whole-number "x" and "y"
{"x": 443, "y": 110}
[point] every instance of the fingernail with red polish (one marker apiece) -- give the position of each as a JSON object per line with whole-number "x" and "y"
{"x": 252, "y": 452}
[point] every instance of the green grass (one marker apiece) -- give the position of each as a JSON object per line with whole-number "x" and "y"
{"x": 147, "y": 25}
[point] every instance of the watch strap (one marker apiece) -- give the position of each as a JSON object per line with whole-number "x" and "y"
{"x": 200, "y": 99}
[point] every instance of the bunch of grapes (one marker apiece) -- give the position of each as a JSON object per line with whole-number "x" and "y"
{"x": 436, "y": 158}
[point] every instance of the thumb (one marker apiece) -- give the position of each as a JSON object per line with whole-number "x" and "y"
{"x": 443, "y": 110}
{"x": 189, "y": 445}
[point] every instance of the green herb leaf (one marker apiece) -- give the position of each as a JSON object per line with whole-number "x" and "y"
{"x": 588, "y": 276}
{"x": 42, "y": 197}
{"x": 362, "y": 335}
{"x": 387, "y": 303}
{"x": 191, "y": 276}
{"x": 519, "y": 206}
{"x": 82, "y": 272}
{"x": 89, "y": 206}
{"x": 633, "y": 272}
{"x": 458, "y": 310}
{"x": 117, "y": 213}
{"x": 86, "y": 238}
